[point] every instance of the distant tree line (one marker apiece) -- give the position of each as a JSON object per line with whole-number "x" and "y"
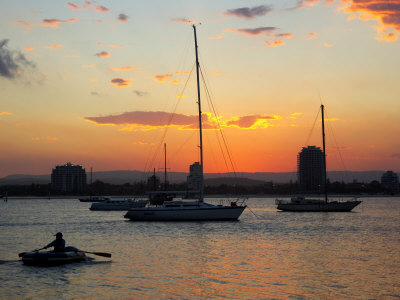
{"x": 140, "y": 188}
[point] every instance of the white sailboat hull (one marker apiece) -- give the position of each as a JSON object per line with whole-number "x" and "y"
{"x": 199, "y": 213}
{"x": 315, "y": 206}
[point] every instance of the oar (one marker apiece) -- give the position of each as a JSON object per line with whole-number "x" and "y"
{"x": 97, "y": 253}
{"x": 23, "y": 253}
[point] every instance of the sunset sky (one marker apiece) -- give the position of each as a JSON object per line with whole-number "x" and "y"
{"x": 105, "y": 84}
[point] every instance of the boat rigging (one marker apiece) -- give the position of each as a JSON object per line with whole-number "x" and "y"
{"x": 300, "y": 203}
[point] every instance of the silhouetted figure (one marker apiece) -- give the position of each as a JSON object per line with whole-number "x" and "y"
{"x": 58, "y": 243}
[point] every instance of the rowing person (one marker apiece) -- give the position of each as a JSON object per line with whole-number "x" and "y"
{"x": 58, "y": 243}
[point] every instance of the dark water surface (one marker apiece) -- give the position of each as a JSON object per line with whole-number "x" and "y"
{"x": 276, "y": 255}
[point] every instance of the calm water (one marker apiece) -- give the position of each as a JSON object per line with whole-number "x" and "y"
{"x": 274, "y": 255}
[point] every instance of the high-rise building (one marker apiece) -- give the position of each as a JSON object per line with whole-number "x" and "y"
{"x": 194, "y": 178}
{"x": 68, "y": 178}
{"x": 310, "y": 169}
{"x": 390, "y": 182}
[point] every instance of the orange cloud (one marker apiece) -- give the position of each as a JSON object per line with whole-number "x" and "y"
{"x": 51, "y": 138}
{"x": 351, "y": 17}
{"x": 275, "y": 43}
{"x": 312, "y": 35}
{"x": 327, "y": 45}
{"x": 26, "y": 24}
{"x": 46, "y": 22}
{"x": 29, "y": 48}
{"x": 120, "y": 82}
{"x": 124, "y": 68}
{"x": 148, "y": 120}
{"x": 101, "y": 9}
{"x": 161, "y": 78}
{"x": 88, "y": 4}
{"x": 142, "y": 143}
{"x": 174, "y": 82}
{"x": 181, "y": 20}
{"x": 390, "y": 37}
{"x": 54, "y": 22}
{"x": 307, "y": 3}
{"x": 285, "y": 35}
{"x": 252, "y": 121}
{"x": 54, "y": 46}
{"x": 387, "y": 13}
{"x": 103, "y": 54}
{"x": 217, "y": 37}
{"x": 6, "y": 113}
{"x": 294, "y": 115}
{"x": 75, "y": 7}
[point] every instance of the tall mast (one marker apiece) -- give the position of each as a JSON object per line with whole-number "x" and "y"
{"x": 165, "y": 167}
{"x": 91, "y": 183}
{"x": 323, "y": 145}
{"x": 200, "y": 123}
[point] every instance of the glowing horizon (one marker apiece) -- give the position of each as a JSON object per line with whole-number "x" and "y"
{"x": 103, "y": 85}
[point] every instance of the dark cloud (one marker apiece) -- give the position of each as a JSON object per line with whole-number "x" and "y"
{"x": 122, "y": 18}
{"x": 253, "y": 31}
{"x": 103, "y": 54}
{"x": 156, "y": 119}
{"x": 147, "y": 119}
{"x": 249, "y": 12}
{"x": 94, "y": 94}
{"x": 12, "y": 63}
{"x": 140, "y": 93}
{"x": 120, "y": 82}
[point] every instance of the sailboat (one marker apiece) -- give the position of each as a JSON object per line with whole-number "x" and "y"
{"x": 189, "y": 210}
{"x": 159, "y": 197}
{"x": 300, "y": 203}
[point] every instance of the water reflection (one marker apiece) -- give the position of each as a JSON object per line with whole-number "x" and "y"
{"x": 276, "y": 255}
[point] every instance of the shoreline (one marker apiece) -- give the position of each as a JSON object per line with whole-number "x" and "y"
{"x": 206, "y": 196}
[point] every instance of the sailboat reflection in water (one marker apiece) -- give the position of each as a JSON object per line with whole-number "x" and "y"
{"x": 300, "y": 203}
{"x": 189, "y": 210}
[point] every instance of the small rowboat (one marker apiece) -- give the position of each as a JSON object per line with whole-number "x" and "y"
{"x": 71, "y": 254}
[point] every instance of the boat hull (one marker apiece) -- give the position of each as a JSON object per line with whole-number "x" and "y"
{"x": 317, "y": 207}
{"x": 53, "y": 258}
{"x": 217, "y": 213}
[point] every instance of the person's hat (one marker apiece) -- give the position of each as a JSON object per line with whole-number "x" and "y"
{"x": 58, "y": 234}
